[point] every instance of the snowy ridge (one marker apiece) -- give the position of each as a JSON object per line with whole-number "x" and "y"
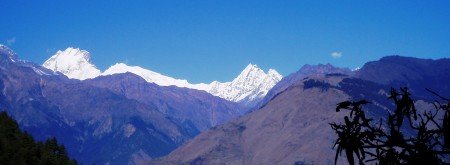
{"x": 152, "y": 77}
{"x": 74, "y": 63}
{"x": 250, "y": 86}
{"x": 7, "y": 53}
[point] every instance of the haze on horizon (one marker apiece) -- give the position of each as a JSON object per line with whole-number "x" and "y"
{"x": 214, "y": 40}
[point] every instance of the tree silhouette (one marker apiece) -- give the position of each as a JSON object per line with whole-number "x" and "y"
{"x": 425, "y": 139}
{"x": 17, "y": 147}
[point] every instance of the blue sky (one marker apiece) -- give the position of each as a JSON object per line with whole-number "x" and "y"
{"x": 214, "y": 40}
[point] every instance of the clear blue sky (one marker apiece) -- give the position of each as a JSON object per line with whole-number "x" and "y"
{"x": 214, "y": 40}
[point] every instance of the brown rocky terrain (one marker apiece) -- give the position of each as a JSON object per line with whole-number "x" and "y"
{"x": 292, "y": 128}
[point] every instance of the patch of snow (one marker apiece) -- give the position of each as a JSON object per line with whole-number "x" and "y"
{"x": 40, "y": 72}
{"x": 129, "y": 130}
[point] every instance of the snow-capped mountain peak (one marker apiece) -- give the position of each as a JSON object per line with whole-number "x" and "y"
{"x": 250, "y": 71}
{"x": 250, "y": 86}
{"x": 274, "y": 74}
{"x": 74, "y": 63}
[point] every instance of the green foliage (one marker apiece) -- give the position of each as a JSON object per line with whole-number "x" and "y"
{"x": 17, "y": 147}
{"x": 385, "y": 142}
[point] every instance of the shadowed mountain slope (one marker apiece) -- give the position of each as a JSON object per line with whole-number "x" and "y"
{"x": 415, "y": 73}
{"x": 192, "y": 107}
{"x": 305, "y": 71}
{"x": 95, "y": 124}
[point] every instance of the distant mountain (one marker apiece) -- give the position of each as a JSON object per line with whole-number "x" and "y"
{"x": 293, "y": 126}
{"x": 415, "y": 73}
{"x": 248, "y": 88}
{"x": 100, "y": 122}
{"x": 251, "y": 85}
{"x": 303, "y": 72}
{"x": 74, "y": 63}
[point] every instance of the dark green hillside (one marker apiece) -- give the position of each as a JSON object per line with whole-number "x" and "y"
{"x": 17, "y": 147}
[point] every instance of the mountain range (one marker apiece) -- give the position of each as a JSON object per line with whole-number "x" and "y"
{"x": 293, "y": 126}
{"x": 248, "y": 88}
{"x": 131, "y": 115}
{"x": 116, "y": 119}
{"x": 303, "y": 72}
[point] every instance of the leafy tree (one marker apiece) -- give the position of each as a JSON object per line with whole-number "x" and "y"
{"x": 406, "y": 137}
{"x": 17, "y": 147}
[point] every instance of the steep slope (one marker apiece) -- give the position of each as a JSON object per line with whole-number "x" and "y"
{"x": 192, "y": 107}
{"x": 95, "y": 124}
{"x": 248, "y": 88}
{"x": 305, "y": 71}
{"x": 74, "y": 63}
{"x": 291, "y": 128}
